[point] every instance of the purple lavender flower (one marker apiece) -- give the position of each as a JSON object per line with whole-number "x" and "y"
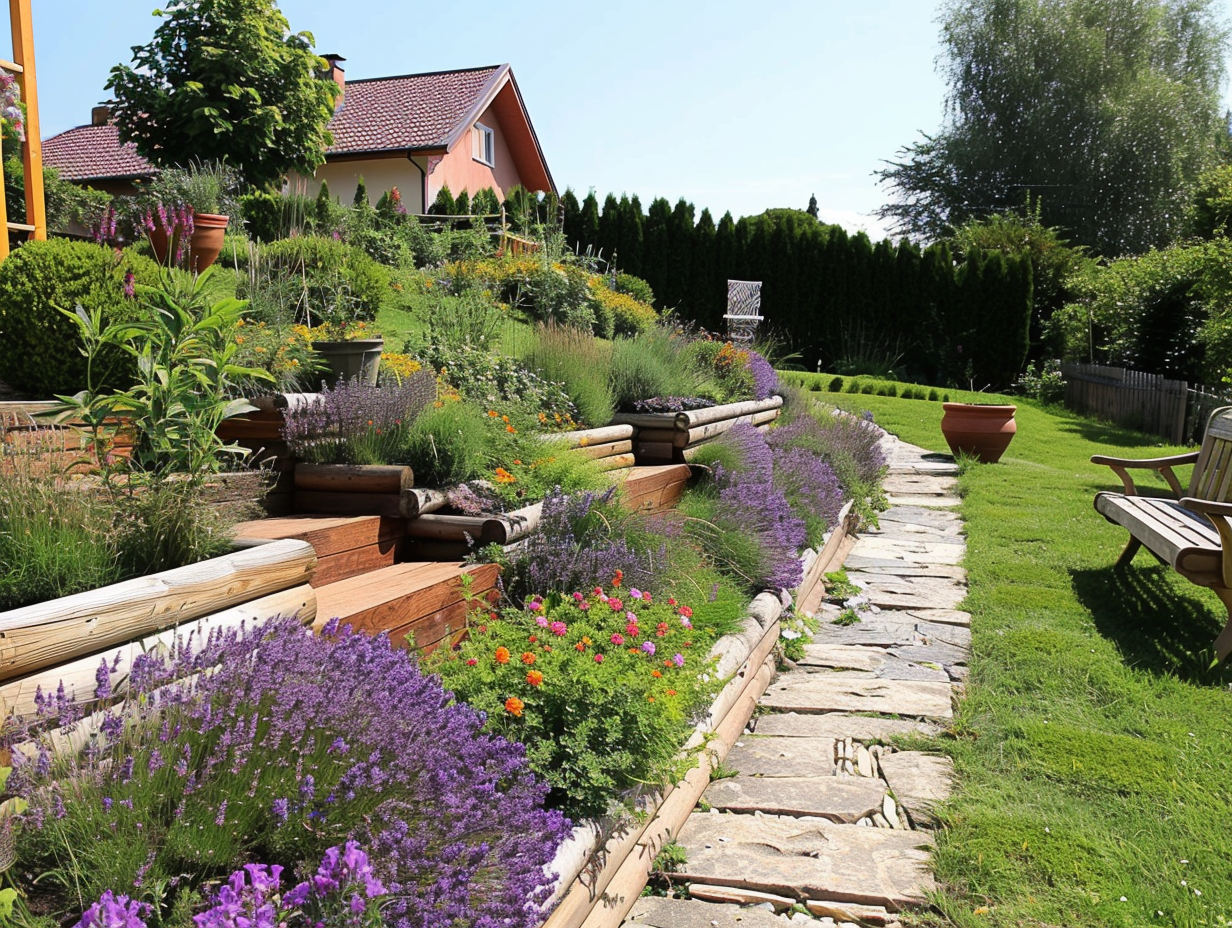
{"x": 112, "y": 911}
{"x": 765, "y": 380}
{"x": 279, "y": 810}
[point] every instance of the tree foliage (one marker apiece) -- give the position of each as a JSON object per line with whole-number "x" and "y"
{"x": 226, "y": 79}
{"x": 1104, "y": 112}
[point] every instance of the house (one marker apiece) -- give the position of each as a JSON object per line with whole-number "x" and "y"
{"x": 467, "y": 129}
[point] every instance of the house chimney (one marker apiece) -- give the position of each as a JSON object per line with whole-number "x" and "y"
{"x": 337, "y": 74}
{"x": 100, "y": 115}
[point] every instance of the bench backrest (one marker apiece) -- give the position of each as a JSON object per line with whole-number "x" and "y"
{"x": 1212, "y": 475}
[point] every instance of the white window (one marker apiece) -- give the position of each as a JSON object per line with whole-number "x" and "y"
{"x": 483, "y": 144}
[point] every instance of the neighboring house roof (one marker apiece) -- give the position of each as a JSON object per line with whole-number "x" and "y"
{"x": 411, "y": 113}
{"x": 94, "y": 153}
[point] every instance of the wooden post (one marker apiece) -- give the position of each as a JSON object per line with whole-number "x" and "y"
{"x": 32, "y": 151}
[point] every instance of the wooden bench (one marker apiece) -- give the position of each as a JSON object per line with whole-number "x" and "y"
{"x": 1192, "y": 530}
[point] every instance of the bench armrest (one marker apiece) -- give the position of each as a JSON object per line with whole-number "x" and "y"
{"x": 1162, "y": 466}
{"x": 1220, "y": 516}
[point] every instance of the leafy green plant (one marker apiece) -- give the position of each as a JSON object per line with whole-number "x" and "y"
{"x": 671, "y": 858}
{"x": 649, "y": 364}
{"x": 205, "y": 186}
{"x": 599, "y": 687}
{"x": 449, "y": 444}
{"x": 184, "y": 346}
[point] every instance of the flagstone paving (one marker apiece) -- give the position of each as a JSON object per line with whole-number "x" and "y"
{"x": 823, "y": 814}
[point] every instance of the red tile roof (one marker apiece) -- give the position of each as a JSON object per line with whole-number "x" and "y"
{"x": 413, "y": 111}
{"x": 94, "y": 153}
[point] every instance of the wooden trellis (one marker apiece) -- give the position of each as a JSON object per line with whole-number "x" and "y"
{"x": 22, "y": 66}
{"x": 743, "y": 311}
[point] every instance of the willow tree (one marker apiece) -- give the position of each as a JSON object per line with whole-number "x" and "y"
{"x": 1102, "y": 111}
{"x": 226, "y": 79}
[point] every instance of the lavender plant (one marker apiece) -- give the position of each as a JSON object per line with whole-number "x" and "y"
{"x": 765, "y": 380}
{"x": 355, "y": 423}
{"x": 292, "y": 744}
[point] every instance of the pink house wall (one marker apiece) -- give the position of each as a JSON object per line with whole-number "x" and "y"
{"x": 461, "y": 171}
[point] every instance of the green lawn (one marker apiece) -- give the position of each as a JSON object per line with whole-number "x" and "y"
{"x": 1093, "y": 749}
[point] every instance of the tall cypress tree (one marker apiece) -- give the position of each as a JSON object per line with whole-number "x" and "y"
{"x": 609, "y": 228}
{"x": 701, "y": 288}
{"x": 680, "y": 256}
{"x": 589, "y": 234}
{"x": 573, "y": 219}
{"x": 631, "y": 235}
{"x": 724, "y": 265}
{"x": 655, "y": 265}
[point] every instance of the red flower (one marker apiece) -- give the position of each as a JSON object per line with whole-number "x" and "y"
{"x": 527, "y": 658}
{"x": 686, "y": 612}
{"x": 534, "y": 678}
{"x": 471, "y": 662}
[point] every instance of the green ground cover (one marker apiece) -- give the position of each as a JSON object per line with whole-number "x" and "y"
{"x": 1093, "y": 749}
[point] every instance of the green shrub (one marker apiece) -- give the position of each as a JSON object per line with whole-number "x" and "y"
{"x": 448, "y": 444}
{"x": 635, "y": 287}
{"x": 325, "y": 264}
{"x": 835, "y": 385}
{"x": 932, "y": 396}
{"x": 38, "y": 344}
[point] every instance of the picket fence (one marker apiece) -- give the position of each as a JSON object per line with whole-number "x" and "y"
{"x": 1151, "y": 403}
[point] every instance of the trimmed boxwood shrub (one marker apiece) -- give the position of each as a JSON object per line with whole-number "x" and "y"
{"x": 38, "y": 344}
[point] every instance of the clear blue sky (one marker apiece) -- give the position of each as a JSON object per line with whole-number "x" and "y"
{"x": 734, "y": 105}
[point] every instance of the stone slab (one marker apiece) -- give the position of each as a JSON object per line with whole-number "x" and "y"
{"x": 928, "y": 598}
{"x": 801, "y": 691}
{"x": 941, "y": 616}
{"x": 919, "y": 782}
{"x": 933, "y": 632}
{"x": 906, "y": 670}
{"x": 839, "y": 799}
{"x": 939, "y": 501}
{"x": 839, "y": 725}
{"x": 920, "y": 484}
{"x": 808, "y": 858}
{"x": 768, "y": 756}
{"x": 943, "y": 655}
{"x": 663, "y": 912}
{"x": 822, "y": 654}
{"x": 874, "y": 632}
{"x": 902, "y": 569}
{"x": 919, "y": 515}
{"x": 932, "y": 552}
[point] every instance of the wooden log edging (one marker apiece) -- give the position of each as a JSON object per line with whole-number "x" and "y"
{"x": 587, "y": 869}
{"x": 46, "y": 634}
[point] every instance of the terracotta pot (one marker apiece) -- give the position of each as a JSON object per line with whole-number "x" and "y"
{"x": 983, "y": 431}
{"x": 204, "y": 245}
{"x": 360, "y": 357}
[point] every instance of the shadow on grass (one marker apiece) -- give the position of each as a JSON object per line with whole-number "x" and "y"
{"x": 1103, "y": 433}
{"x": 1156, "y": 627}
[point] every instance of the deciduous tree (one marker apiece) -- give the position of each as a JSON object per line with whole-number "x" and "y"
{"x": 226, "y": 79}
{"x": 1103, "y": 111}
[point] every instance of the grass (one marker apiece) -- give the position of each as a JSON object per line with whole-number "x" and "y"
{"x": 1094, "y": 776}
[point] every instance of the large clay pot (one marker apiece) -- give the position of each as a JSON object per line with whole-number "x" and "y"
{"x": 360, "y": 357}
{"x": 983, "y": 431}
{"x": 204, "y": 246}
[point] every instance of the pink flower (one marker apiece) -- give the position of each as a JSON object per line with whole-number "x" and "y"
{"x": 598, "y": 658}
{"x": 541, "y": 621}
{"x": 559, "y": 628}
{"x": 635, "y": 593}
{"x": 648, "y": 647}
{"x": 578, "y": 597}
{"x": 678, "y": 660}
{"x": 686, "y": 623}
{"x": 618, "y": 639}
{"x": 686, "y": 612}
{"x": 632, "y": 630}
{"x": 630, "y": 617}
{"x": 616, "y": 604}
{"x": 583, "y": 606}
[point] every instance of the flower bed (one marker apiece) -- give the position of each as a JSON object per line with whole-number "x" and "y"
{"x": 671, "y": 436}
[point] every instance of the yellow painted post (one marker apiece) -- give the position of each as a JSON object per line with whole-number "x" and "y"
{"x": 32, "y": 151}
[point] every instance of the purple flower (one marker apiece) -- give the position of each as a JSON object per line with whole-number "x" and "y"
{"x": 102, "y": 680}
{"x": 279, "y": 810}
{"x": 648, "y": 647}
{"x": 112, "y": 911}
{"x": 765, "y": 380}
{"x": 678, "y": 660}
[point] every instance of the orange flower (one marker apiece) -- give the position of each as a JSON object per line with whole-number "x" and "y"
{"x": 656, "y": 673}
{"x": 511, "y": 429}
{"x": 514, "y": 706}
{"x": 671, "y": 692}
{"x": 534, "y": 678}
{"x": 502, "y": 655}
{"x": 492, "y": 413}
{"x": 527, "y": 658}
{"x": 579, "y": 647}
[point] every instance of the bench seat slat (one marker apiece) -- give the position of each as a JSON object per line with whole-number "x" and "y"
{"x": 1185, "y": 539}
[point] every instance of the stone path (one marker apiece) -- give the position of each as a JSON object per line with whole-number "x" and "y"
{"x": 821, "y": 813}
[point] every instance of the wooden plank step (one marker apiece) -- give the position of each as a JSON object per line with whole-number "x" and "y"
{"x": 345, "y": 545}
{"x": 420, "y": 597}
{"x": 653, "y": 488}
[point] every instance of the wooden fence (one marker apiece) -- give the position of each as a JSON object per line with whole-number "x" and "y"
{"x": 1147, "y": 402}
